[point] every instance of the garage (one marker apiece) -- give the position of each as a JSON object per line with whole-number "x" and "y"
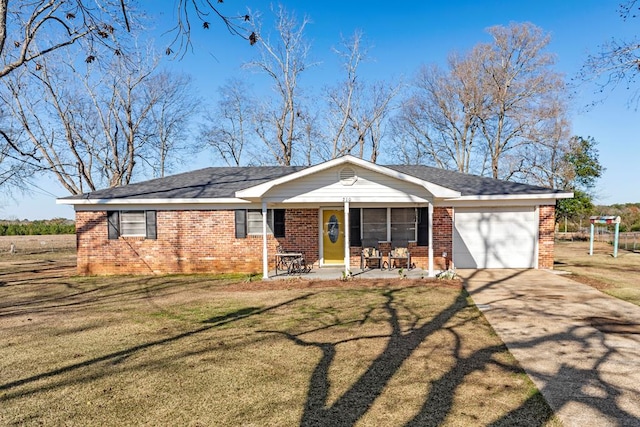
{"x": 504, "y": 237}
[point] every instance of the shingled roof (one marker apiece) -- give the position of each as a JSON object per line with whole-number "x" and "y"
{"x": 470, "y": 185}
{"x": 223, "y": 182}
{"x": 208, "y": 183}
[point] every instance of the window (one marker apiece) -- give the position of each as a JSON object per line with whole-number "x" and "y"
{"x": 249, "y": 222}
{"x": 131, "y": 224}
{"x": 395, "y": 224}
{"x": 403, "y": 224}
{"x": 254, "y": 221}
{"x": 374, "y": 224}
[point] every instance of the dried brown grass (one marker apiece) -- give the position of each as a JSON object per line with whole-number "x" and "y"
{"x": 618, "y": 277}
{"x": 195, "y": 350}
{"x": 37, "y": 244}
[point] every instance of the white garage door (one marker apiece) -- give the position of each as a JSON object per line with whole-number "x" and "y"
{"x": 495, "y": 237}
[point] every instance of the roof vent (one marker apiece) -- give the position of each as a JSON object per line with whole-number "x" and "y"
{"x": 348, "y": 176}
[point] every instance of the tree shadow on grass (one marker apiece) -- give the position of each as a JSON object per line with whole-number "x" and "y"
{"x": 401, "y": 343}
{"x": 119, "y": 356}
{"x": 356, "y": 401}
{"x": 353, "y": 403}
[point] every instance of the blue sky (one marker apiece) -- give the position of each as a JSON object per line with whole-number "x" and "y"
{"x": 405, "y": 35}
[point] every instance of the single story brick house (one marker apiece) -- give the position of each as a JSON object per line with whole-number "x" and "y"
{"x": 231, "y": 219}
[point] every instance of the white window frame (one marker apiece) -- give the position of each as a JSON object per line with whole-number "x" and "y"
{"x": 128, "y": 223}
{"x": 415, "y": 224}
{"x": 389, "y": 225}
{"x": 257, "y": 222}
{"x": 362, "y": 224}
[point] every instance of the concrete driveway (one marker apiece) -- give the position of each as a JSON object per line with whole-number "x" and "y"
{"x": 579, "y": 346}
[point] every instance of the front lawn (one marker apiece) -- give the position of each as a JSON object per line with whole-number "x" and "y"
{"x": 198, "y": 351}
{"x": 618, "y": 277}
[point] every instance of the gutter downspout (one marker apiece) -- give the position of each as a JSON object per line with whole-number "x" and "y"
{"x": 265, "y": 261}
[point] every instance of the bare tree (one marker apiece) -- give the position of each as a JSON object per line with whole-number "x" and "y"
{"x": 283, "y": 59}
{"x": 89, "y": 129}
{"x": 618, "y": 60}
{"x": 357, "y": 111}
{"x": 310, "y": 142}
{"x": 42, "y": 26}
{"x": 383, "y": 95}
{"x": 521, "y": 87}
{"x": 497, "y": 108}
{"x": 227, "y": 129}
{"x": 203, "y": 11}
{"x": 542, "y": 162}
{"x": 175, "y": 104}
{"x": 342, "y": 97}
{"x": 39, "y": 27}
{"x": 441, "y": 116}
{"x": 30, "y": 31}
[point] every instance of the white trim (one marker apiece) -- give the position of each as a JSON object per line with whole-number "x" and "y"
{"x": 371, "y": 198}
{"x": 430, "y": 240}
{"x": 180, "y": 207}
{"x": 321, "y": 210}
{"x": 494, "y": 203}
{"x": 453, "y": 240}
{"x": 258, "y": 191}
{"x": 347, "y": 240}
{"x": 265, "y": 261}
{"x": 117, "y": 201}
{"x": 536, "y": 215}
{"x": 320, "y": 237}
{"x": 512, "y": 197}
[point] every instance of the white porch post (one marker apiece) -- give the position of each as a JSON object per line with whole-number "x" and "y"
{"x": 431, "y": 273}
{"x": 265, "y": 260}
{"x": 347, "y": 240}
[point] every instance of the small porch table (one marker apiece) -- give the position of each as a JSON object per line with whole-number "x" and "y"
{"x": 291, "y": 262}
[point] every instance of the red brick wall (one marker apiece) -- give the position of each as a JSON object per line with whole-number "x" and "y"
{"x": 442, "y": 237}
{"x": 419, "y": 255}
{"x": 204, "y": 241}
{"x": 546, "y": 231}
{"x": 302, "y": 234}
{"x": 188, "y": 242}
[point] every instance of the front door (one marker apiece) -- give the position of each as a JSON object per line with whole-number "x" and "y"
{"x": 333, "y": 237}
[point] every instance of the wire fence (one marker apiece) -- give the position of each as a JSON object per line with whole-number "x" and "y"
{"x": 629, "y": 241}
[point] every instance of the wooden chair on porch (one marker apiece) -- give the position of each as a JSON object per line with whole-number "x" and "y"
{"x": 371, "y": 256}
{"x": 400, "y": 257}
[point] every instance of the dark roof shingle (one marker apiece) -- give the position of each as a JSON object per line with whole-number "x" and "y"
{"x": 223, "y": 182}
{"x": 469, "y": 185}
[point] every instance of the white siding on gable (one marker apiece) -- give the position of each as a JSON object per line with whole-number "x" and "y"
{"x": 495, "y": 237}
{"x": 370, "y": 187}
